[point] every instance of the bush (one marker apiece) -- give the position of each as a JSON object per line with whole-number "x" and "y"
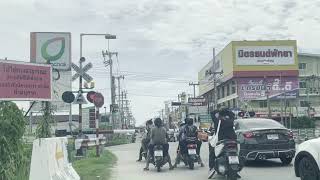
{"x": 303, "y": 122}
{"x": 12, "y": 128}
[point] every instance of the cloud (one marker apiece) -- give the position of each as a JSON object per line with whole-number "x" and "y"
{"x": 162, "y": 44}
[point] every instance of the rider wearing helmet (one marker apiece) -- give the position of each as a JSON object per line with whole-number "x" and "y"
{"x": 188, "y": 133}
{"x": 226, "y": 132}
{"x": 158, "y": 136}
{"x": 146, "y": 139}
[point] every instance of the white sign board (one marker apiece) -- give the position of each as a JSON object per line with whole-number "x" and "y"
{"x": 265, "y": 55}
{"x": 51, "y": 46}
{"x": 49, "y": 160}
{"x": 198, "y": 109}
{"x": 61, "y": 85}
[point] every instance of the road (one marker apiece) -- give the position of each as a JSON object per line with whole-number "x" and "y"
{"x": 128, "y": 169}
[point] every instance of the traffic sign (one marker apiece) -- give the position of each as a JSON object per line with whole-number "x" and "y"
{"x": 98, "y": 100}
{"x": 90, "y": 96}
{"x": 175, "y": 103}
{"x": 197, "y": 101}
{"x": 80, "y": 99}
{"x": 82, "y": 72}
{"x": 68, "y": 97}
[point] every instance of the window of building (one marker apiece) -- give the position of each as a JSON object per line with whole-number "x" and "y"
{"x": 234, "y": 105}
{"x": 222, "y": 93}
{"x": 219, "y": 93}
{"x": 263, "y": 104}
{"x": 229, "y": 104}
{"x": 233, "y": 89}
{"x": 302, "y": 66}
{"x": 302, "y": 84}
{"x": 228, "y": 89}
{"x": 304, "y": 104}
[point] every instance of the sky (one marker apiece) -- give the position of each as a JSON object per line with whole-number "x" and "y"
{"x": 162, "y": 44}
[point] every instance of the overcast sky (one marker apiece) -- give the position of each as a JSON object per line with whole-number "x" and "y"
{"x": 162, "y": 44}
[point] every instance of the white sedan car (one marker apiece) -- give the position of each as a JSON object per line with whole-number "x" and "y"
{"x": 307, "y": 161}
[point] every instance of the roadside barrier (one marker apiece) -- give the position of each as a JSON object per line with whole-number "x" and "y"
{"x": 49, "y": 160}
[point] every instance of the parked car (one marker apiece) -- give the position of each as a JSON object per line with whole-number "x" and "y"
{"x": 262, "y": 139}
{"x": 307, "y": 160}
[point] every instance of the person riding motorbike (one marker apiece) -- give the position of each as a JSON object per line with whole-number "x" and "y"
{"x": 146, "y": 139}
{"x": 226, "y": 132}
{"x": 188, "y": 133}
{"x": 158, "y": 136}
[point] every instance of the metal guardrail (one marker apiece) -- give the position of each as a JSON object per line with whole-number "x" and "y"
{"x": 301, "y": 135}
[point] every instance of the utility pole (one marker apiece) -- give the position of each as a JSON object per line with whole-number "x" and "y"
{"x": 119, "y": 98}
{"x": 112, "y": 85}
{"x": 123, "y": 98}
{"x": 282, "y": 104}
{"x": 267, "y": 94}
{"x": 194, "y": 87}
{"x": 213, "y": 71}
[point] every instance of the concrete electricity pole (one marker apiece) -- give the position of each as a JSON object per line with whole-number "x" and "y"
{"x": 214, "y": 73}
{"x": 119, "y": 88}
{"x": 267, "y": 94}
{"x": 112, "y": 85}
{"x": 194, "y": 87}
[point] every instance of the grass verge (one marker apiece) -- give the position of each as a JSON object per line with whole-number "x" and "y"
{"x": 91, "y": 167}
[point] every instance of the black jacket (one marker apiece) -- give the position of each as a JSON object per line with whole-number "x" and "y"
{"x": 226, "y": 128}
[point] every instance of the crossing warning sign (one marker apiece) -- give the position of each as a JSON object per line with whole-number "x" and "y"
{"x": 80, "y": 99}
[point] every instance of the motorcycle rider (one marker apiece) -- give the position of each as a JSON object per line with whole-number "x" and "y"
{"x": 226, "y": 132}
{"x": 146, "y": 139}
{"x": 158, "y": 136}
{"x": 188, "y": 133}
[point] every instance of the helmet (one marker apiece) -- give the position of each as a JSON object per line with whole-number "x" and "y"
{"x": 226, "y": 113}
{"x": 149, "y": 122}
{"x": 158, "y": 122}
{"x": 189, "y": 121}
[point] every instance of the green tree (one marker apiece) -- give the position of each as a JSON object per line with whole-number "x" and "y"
{"x": 44, "y": 127}
{"x": 12, "y": 128}
{"x": 303, "y": 122}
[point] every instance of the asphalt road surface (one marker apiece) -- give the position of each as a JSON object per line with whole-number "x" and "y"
{"x": 128, "y": 169}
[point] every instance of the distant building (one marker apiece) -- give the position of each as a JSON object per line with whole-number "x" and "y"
{"x": 61, "y": 122}
{"x": 255, "y": 72}
{"x": 309, "y": 83}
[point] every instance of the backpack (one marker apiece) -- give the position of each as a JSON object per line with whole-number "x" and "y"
{"x": 191, "y": 132}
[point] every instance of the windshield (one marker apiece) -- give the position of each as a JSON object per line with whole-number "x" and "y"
{"x": 261, "y": 123}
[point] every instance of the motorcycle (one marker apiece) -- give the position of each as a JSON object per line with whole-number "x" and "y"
{"x": 227, "y": 162}
{"x": 191, "y": 156}
{"x": 158, "y": 157}
{"x": 143, "y": 153}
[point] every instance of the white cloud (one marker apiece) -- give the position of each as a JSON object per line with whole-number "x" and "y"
{"x": 169, "y": 37}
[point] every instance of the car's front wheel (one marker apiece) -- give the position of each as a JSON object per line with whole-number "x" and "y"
{"x": 308, "y": 169}
{"x": 285, "y": 160}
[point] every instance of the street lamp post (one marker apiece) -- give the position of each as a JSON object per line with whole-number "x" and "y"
{"x": 82, "y": 59}
{"x": 110, "y": 63}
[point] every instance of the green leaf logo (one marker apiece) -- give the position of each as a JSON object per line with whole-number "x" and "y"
{"x": 45, "y": 53}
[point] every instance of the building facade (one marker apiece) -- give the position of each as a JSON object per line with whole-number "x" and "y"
{"x": 256, "y": 75}
{"x": 309, "y": 83}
